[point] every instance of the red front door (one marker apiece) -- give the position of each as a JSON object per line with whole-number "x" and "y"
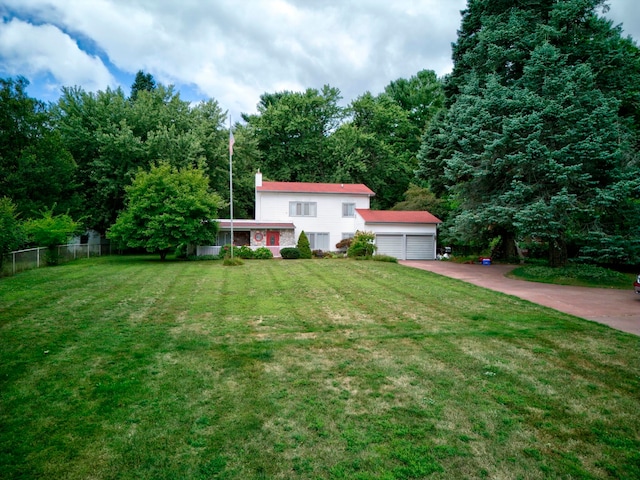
{"x": 273, "y": 239}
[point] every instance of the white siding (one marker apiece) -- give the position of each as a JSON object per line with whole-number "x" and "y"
{"x": 401, "y": 228}
{"x": 274, "y": 206}
{"x": 405, "y": 241}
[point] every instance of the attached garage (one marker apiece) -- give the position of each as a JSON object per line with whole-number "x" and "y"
{"x": 390, "y": 245}
{"x": 406, "y": 247}
{"x": 406, "y": 235}
{"x": 421, "y": 247}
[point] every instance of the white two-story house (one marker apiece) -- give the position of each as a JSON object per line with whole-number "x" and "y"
{"x": 327, "y": 213}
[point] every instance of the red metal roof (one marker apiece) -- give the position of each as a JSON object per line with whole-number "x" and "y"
{"x": 399, "y": 216}
{"x": 302, "y": 187}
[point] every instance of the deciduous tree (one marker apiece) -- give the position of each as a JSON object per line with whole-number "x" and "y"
{"x": 292, "y": 131}
{"x": 12, "y": 234}
{"x": 50, "y": 230}
{"x": 111, "y": 138}
{"x": 37, "y": 170}
{"x": 167, "y": 207}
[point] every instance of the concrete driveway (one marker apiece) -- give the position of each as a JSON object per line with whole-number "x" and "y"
{"x": 619, "y": 309}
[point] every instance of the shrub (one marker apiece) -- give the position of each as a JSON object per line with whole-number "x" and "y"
{"x": 362, "y": 245}
{"x": 181, "y": 251}
{"x": 244, "y": 252}
{"x": 225, "y": 252}
{"x": 290, "y": 253}
{"x": 262, "y": 253}
{"x": 344, "y": 244}
{"x": 232, "y": 262}
{"x": 303, "y": 246}
{"x": 318, "y": 254}
{"x": 384, "y": 258}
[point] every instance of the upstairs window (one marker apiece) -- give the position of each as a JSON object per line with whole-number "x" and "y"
{"x": 302, "y": 209}
{"x": 348, "y": 209}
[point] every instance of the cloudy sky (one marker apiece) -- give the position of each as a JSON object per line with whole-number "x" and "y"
{"x": 230, "y": 50}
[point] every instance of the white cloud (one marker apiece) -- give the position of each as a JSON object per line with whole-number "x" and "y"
{"x": 234, "y": 51}
{"x": 30, "y": 50}
{"x": 265, "y": 46}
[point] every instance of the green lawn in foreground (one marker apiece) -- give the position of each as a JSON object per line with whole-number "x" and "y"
{"x": 128, "y": 368}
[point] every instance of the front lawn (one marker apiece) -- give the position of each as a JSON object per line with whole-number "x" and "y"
{"x": 130, "y": 368}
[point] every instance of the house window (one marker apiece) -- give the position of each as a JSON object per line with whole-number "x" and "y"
{"x": 348, "y": 235}
{"x": 302, "y": 209}
{"x": 224, "y": 238}
{"x": 318, "y": 241}
{"x": 348, "y": 209}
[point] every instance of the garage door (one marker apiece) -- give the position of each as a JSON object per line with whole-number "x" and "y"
{"x": 389, "y": 245}
{"x": 420, "y": 247}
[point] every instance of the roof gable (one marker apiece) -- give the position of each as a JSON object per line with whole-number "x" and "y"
{"x": 397, "y": 216}
{"x": 304, "y": 187}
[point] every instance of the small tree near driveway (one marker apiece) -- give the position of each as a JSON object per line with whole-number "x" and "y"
{"x": 167, "y": 207}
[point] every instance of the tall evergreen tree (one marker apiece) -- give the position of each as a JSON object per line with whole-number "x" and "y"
{"x": 536, "y": 143}
{"x": 142, "y": 82}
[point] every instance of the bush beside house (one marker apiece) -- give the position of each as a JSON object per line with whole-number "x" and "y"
{"x": 290, "y": 253}
{"x": 362, "y": 245}
{"x": 303, "y": 246}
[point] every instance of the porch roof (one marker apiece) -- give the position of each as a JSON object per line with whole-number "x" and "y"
{"x": 254, "y": 225}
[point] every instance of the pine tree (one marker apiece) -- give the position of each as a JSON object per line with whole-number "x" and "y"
{"x": 535, "y": 142}
{"x": 304, "y": 246}
{"x": 142, "y": 82}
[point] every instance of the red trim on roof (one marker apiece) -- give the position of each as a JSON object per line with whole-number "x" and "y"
{"x": 399, "y": 216}
{"x": 303, "y": 187}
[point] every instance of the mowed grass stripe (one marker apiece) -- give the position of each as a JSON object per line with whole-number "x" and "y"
{"x": 303, "y": 369}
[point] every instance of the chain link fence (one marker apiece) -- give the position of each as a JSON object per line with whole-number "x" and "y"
{"x": 21, "y": 260}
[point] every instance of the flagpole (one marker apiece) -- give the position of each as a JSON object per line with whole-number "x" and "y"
{"x": 231, "y": 141}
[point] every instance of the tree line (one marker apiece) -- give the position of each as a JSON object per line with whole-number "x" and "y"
{"x": 530, "y": 143}
{"x": 81, "y": 154}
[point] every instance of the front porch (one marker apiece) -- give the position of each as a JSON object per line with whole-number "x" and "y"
{"x": 253, "y": 234}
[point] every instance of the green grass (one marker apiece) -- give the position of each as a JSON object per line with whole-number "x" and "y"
{"x": 130, "y": 368}
{"x": 577, "y": 275}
